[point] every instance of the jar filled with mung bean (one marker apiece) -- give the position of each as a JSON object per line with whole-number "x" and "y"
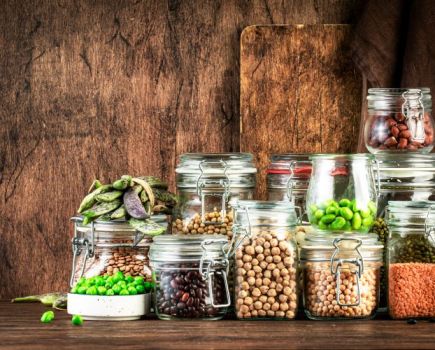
{"x": 190, "y": 275}
{"x": 411, "y": 259}
{"x": 106, "y": 247}
{"x": 341, "y": 276}
{"x": 266, "y": 285}
{"x": 208, "y": 185}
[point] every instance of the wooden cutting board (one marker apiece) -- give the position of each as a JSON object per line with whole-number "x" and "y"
{"x": 300, "y": 92}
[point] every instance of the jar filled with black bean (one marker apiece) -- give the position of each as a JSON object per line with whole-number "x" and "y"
{"x": 190, "y": 275}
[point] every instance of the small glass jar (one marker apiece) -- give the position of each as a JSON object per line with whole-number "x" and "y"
{"x": 411, "y": 259}
{"x": 209, "y": 184}
{"x": 190, "y": 275}
{"x": 399, "y": 120}
{"x": 341, "y": 275}
{"x": 266, "y": 285}
{"x": 342, "y": 195}
{"x": 106, "y": 247}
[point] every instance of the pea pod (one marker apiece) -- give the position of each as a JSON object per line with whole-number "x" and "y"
{"x": 96, "y": 184}
{"x": 122, "y": 183}
{"x": 108, "y": 196}
{"x": 133, "y": 205}
{"x": 154, "y": 182}
{"x": 165, "y": 197}
{"x": 118, "y": 213}
{"x": 147, "y": 227}
{"x": 101, "y": 209}
{"x": 90, "y": 199}
{"x": 143, "y": 197}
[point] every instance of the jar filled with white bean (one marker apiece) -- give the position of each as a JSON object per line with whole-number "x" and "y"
{"x": 341, "y": 276}
{"x": 266, "y": 260}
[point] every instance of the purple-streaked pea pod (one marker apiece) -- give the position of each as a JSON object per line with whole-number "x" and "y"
{"x": 133, "y": 205}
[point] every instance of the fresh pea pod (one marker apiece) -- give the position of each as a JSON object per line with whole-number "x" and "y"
{"x": 169, "y": 199}
{"x": 346, "y": 213}
{"x": 154, "y": 182}
{"x": 101, "y": 209}
{"x": 147, "y": 227}
{"x": 143, "y": 197}
{"x": 118, "y": 213}
{"x": 96, "y": 184}
{"x": 133, "y": 205}
{"x": 90, "y": 199}
{"x": 108, "y": 196}
{"x": 122, "y": 183}
{"x": 356, "y": 221}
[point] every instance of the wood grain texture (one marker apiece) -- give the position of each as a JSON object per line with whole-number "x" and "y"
{"x": 300, "y": 92}
{"x": 102, "y": 88}
{"x": 20, "y": 328}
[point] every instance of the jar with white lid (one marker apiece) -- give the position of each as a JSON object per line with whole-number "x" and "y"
{"x": 341, "y": 275}
{"x": 190, "y": 275}
{"x": 399, "y": 120}
{"x": 106, "y": 247}
{"x": 208, "y": 185}
{"x": 411, "y": 259}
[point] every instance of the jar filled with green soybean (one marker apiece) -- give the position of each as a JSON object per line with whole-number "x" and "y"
{"x": 342, "y": 195}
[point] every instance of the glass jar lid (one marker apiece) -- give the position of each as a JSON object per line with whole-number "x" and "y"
{"x": 236, "y": 168}
{"x": 290, "y": 163}
{"x": 186, "y": 248}
{"x": 345, "y": 245}
{"x": 406, "y": 214}
{"x": 407, "y": 171}
{"x": 342, "y": 157}
{"x": 392, "y": 99}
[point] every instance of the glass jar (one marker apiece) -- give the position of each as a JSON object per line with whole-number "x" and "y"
{"x": 341, "y": 275}
{"x": 342, "y": 194}
{"x": 106, "y": 247}
{"x": 266, "y": 260}
{"x": 190, "y": 275}
{"x": 209, "y": 184}
{"x": 411, "y": 259}
{"x": 399, "y": 120}
{"x": 402, "y": 177}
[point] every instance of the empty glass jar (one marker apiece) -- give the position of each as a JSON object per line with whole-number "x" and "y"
{"x": 411, "y": 259}
{"x": 399, "y": 120}
{"x": 266, "y": 284}
{"x": 209, "y": 184}
{"x": 341, "y": 275}
{"x": 342, "y": 194}
{"x": 190, "y": 275}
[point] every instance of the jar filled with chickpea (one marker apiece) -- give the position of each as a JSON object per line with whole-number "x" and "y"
{"x": 341, "y": 275}
{"x": 266, "y": 285}
{"x": 208, "y": 185}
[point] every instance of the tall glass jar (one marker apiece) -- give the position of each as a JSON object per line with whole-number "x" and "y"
{"x": 399, "y": 120}
{"x": 342, "y": 194}
{"x": 402, "y": 177}
{"x": 411, "y": 259}
{"x": 209, "y": 184}
{"x": 106, "y": 247}
{"x": 266, "y": 285}
{"x": 190, "y": 275}
{"x": 341, "y": 275}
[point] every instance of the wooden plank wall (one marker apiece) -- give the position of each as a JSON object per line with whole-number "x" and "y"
{"x": 101, "y": 88}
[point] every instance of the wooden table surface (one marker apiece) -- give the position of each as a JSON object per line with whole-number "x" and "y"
{"x": 20, "y": 328}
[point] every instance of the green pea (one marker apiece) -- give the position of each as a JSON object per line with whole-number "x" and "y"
{"x": 140, "y": 288}
{"x": 132, "y": 290}
{"x": 332, "y": 210}
{"x": 346, "y": 213}
{"x": 319, "y": 213}
{"x": 109, "y": 280}
{"x": 77, "y": 320}
{"x": 148, "y": 286}
{"x": 372, "y": 207}
{"x": 116, "y": 288}
{"x": 338, "y": 223}
{"x": 92, "y": 290}
{"x": 356, "y": 221}
{"x": 364, "y": 213}
{"x": 368, "y": 222}
{"x": 74, "y": 290}
{"x": 102, "y": 290}
{"x": 344, "y": 202}
{"x": 129, "y": 279}
{"x": 106, "y": 277}
{"x": 90, "y": 281}
{"x": 82, "y": 290}
{"x": 119, "y": 276}
{"x": 47, "y": 317}
{"x": 122, "y": 284}
{"x": 110, "y": 292}
{"x": 99, "y": 281}
{"x": 327, "y": 219}
{"x": 81, "y": 281}
{"x": 139, "y": 280}
{"x": 124, "y": 292}
{"x": 323, "y": 226}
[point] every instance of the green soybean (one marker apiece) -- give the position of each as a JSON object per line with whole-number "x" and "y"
{"x": 323, "y": 226}
{"x": 372, "y": 207}
{"x": 319, "y": 213}
{"x": 365, "y": 213}
{"x": 356, "y": 221}
{"x": 367, "y": 222}
{"x": 77, "y": 320}
{"x": 344, "y": 202}
{"x": 327, "y": 219}
{"x": 47, "y": 317}
{"x": 332, "y": 210}
{"x": 338, "y": 223}
{"x": 313, "y": 208}
{"x": 346, "y": 213}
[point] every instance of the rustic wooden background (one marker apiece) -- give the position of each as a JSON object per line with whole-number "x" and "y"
{"x": 102, "y": 88}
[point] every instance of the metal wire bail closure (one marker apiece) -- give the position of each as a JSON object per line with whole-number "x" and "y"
{"x": 413, "y": 111}
{"x": 290, "y": 181}
{"x": 201, "y": 183}
{"x": 207, "y": 270}
{"x": 429, "y": 230}
{"x": 336, "y": 266}
{"x": 376, "y": 179}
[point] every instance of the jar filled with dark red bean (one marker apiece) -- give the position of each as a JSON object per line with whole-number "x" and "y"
{"x": 190, "y": 275}
{"x": 399, "y": 120}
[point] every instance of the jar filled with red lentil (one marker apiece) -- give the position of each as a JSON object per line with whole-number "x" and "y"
{"x": 341, "y": 275}
{"x": 399, "y": 120}
{"x": 106, "y": 247}
{"x": 208, "y": 185}
{"x": 411, "y": 259}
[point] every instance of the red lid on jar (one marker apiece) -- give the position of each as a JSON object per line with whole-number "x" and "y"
{"x": 280, "y": 165}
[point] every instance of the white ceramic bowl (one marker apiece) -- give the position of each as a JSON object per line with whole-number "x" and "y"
{"x": 109, "y": 308}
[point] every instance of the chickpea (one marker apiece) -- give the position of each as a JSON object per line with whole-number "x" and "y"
{"x": 258, "y": 305}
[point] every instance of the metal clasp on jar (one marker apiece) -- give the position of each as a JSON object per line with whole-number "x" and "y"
{"x": 336, "y": 269}
{"x": 429, "y": 229}
{"x": 413, "y": 111}
{"x": 220, "y": 188}
{"x": 209, "y": 267}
